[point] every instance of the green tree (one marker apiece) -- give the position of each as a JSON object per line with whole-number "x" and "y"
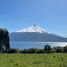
{"x": 59, "y": 49}
{"x": 1, "y": 38}
{"x": 4, "y": 39}
{"x": 47, "y": 48}
{"x": 65, "y": 49}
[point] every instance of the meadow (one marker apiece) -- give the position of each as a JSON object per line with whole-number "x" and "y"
{"x": 33, "y": 60}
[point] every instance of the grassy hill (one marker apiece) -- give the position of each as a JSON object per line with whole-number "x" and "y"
{"x": 33, "y": 60}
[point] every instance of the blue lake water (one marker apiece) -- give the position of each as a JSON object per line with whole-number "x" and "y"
{"x": 23, "y": 45}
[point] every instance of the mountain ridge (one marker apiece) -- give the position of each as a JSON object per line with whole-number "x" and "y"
{"x": 36, "y": 35}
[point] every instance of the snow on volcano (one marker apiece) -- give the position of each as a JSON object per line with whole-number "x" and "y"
{"x": 34, "y": 28}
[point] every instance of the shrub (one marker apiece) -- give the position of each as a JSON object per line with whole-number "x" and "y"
{"x": 40, "y": 51}
{"x": 59, "y": 49}
{"x": 65, "y": 49}
{"x": 23, "y": 51}
{"x": 13, "y": 50}
{"x": 32, "y": 50}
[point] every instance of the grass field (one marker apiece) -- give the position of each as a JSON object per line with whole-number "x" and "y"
{"x": 33, "y": 60}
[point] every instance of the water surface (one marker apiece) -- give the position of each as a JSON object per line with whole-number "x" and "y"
{"x": 23, "y": 45}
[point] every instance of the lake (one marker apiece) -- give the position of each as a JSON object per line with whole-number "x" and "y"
{"x": 25, "y": 45}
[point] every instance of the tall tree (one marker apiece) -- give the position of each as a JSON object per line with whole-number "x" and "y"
{"x": 4, "y": 39}
{"x": 47, "y": 48}
{"x": 1, "y": 38}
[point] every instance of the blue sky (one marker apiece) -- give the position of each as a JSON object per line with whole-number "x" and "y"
{"x": 49, "y": 14}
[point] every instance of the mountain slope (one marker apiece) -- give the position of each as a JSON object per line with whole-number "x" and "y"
{"x": 35, "y": 33}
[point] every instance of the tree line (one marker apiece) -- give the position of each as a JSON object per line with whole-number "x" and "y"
{"x": 47, "y": 49}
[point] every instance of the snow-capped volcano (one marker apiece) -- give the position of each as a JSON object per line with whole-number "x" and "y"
{"x": 34, "y": 28}
{"x": 35, "y": 34}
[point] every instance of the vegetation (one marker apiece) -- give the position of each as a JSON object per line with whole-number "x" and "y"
{"x": 12, "y": 50}
{"x": 46, "y": 49}
{"x": 65, "y": 49}
{"x": 4, "y": 39}
{"x": 33, "y": 60}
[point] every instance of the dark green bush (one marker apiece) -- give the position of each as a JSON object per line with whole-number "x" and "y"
{"x": 23, "y": 51}
{"x": 59, "y": 49}
{"x": 65, "y": 49}
{"x": 13, "y": 50}
{"x": 40, "y": 51}
{"x": 32, "y": 50}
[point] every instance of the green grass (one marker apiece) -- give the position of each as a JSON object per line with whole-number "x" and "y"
{"x": 33, "y": 60}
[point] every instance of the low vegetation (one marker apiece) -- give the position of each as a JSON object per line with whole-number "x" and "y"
{"x": 33, "y": 60}
{"x": 46, "y": 49}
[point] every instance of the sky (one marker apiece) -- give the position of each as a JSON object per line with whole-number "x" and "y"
{"x": 49, "y": 14}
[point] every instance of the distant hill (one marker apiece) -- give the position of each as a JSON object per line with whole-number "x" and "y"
{"x": 35, "y": 34}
